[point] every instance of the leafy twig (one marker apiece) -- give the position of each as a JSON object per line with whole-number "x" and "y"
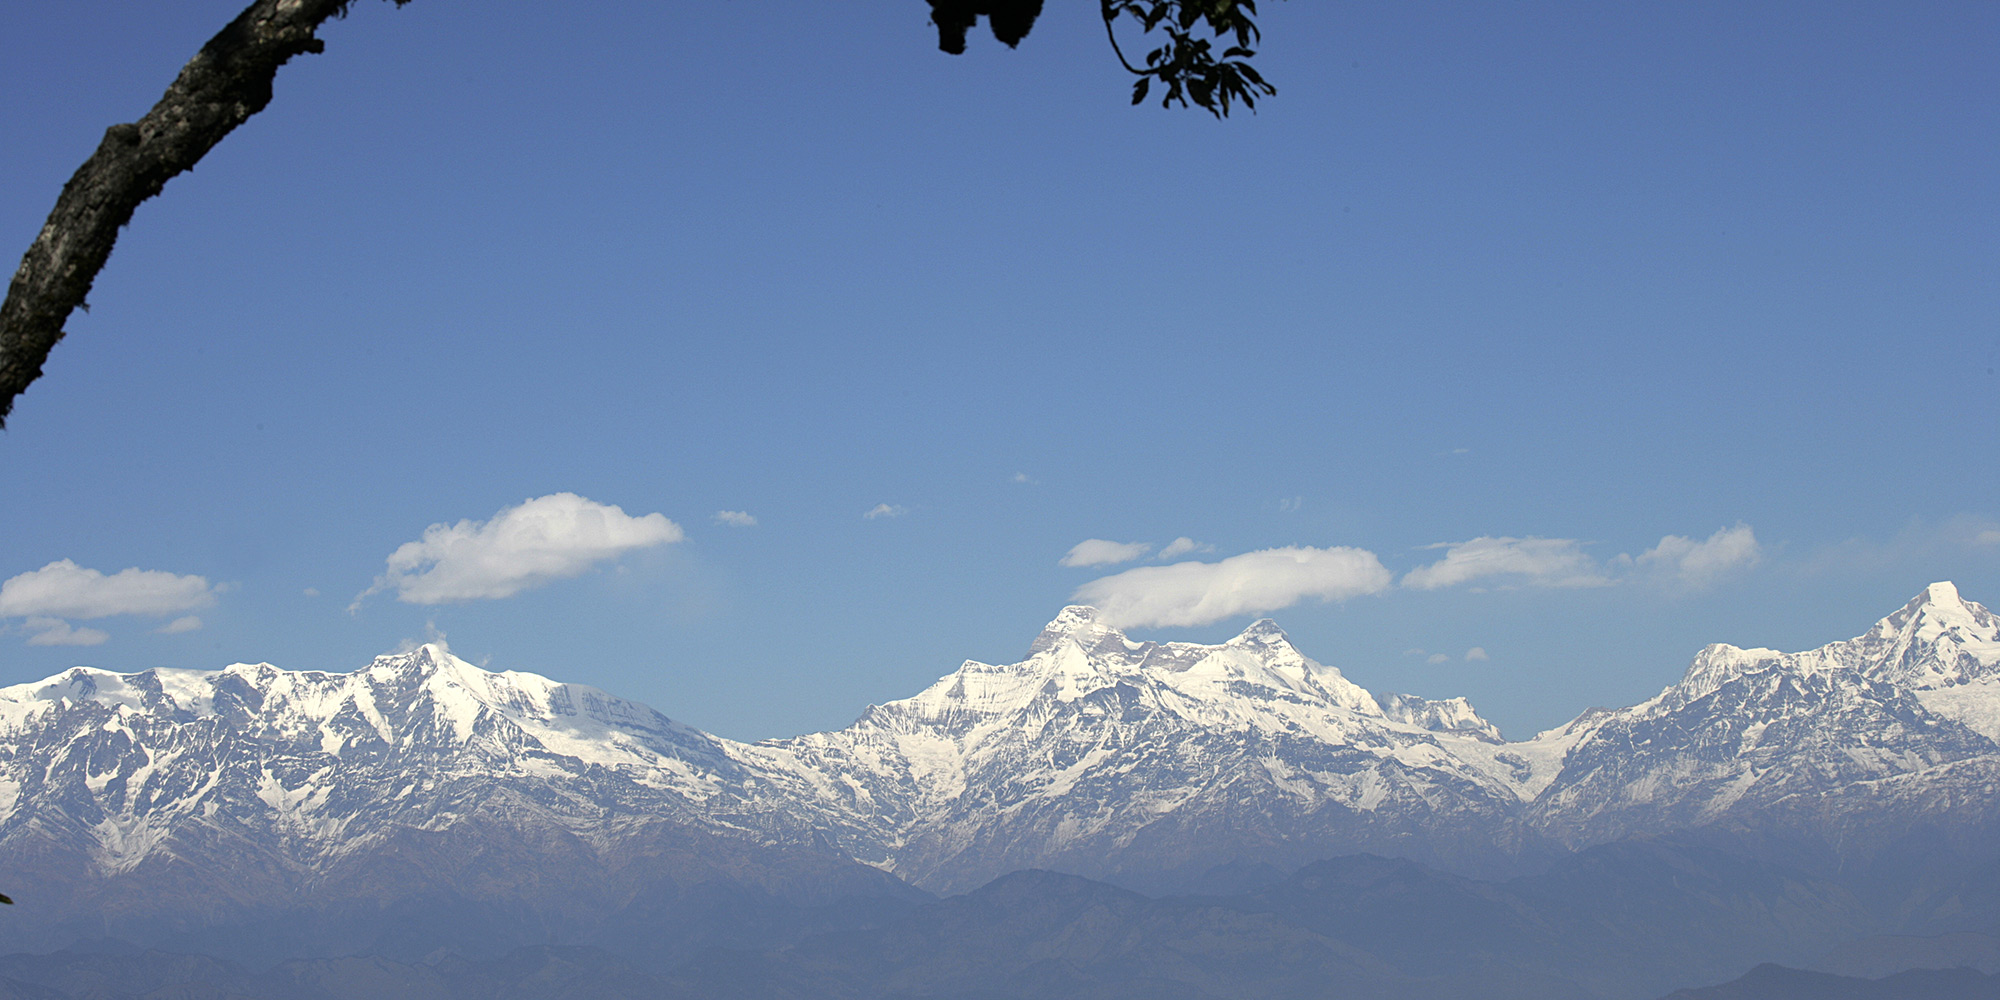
{"x": 1186, "y": 65}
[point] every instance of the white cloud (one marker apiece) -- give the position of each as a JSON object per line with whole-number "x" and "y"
{"x": 1476, "y": 654}
{"x": 311, "y": 591}
{"x": 1197, "y": 593}
{"x": 1290, "y": 504}
{"x": 1699, "y": 564}
{"x": 1182, "y": 546}
{"x": 1098, "y": 552}
{"x": 62, "y": 589}
{"x": 544, "y": 539}
{"x": 1544, "y": 562}
{"x": 735, "y": 518}
{"x": 1022, "y": 477}
{"x": 185, "y": 623}
{"x": 1414, "y": 651}
{"x": 885, "y": 510}
{"x": 1438, "y": 658}
{"x": 1990, "y": 536}
{"x": 56, "y": 632}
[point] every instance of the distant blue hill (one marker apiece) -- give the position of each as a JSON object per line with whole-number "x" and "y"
{"x": 1776, "y": 982}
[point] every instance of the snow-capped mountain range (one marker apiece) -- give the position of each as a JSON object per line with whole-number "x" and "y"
{"x": 1096, "y": 755}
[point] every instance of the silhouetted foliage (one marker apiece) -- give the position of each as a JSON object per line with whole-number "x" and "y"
{"x": 1010, "y": 20}
{"x": 1186, "y": 65}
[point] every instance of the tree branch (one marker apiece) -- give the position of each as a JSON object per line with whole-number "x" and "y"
{"x": 225, "y": 83}
{"x": 1110, "y": 15}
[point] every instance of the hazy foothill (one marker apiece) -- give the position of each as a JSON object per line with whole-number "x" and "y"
{"x": 994, "y": 500}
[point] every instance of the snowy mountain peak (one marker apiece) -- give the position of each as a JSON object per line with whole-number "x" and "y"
{"x": 1262, "y": 632}
{"x": 1077, "y": 622}
{"x": 1935, "y": 612}
{"x": 1937, "y": 640}
{"x": 422, "y": 662}
{"x": 1094, "y": 738}
{"x": 1078, "y": 654}
{"x": 1717, "y": 664}
{"x": 1444, "y": 715}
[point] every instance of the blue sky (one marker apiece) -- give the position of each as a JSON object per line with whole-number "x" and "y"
{"x": 1585, "y": 280}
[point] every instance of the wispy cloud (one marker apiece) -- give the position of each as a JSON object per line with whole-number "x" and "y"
{"x": 539, "y": 541}
{"x": 885, "y": 510}
{"x": 1689, "y": 563}
{"x": 433, "y": 636}
{"x": 1198, "y": 593}
{"x": 1677, "y": 561}
{"x": 56, "y": 632}
{"x": 1921, "y": 548}
{"x": 734, "y": 518}
{"x": 1542, "y": 562}
{"x": 62, "y": 589}
{"x": 185, "y": 623}
{"x": 1099, "y": 552}
{"x": 1472, "y": 655}
{"x": 1183, "y": 546}
{"x": 1289, "y": 505}
{"x": 1022, "y": 477}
